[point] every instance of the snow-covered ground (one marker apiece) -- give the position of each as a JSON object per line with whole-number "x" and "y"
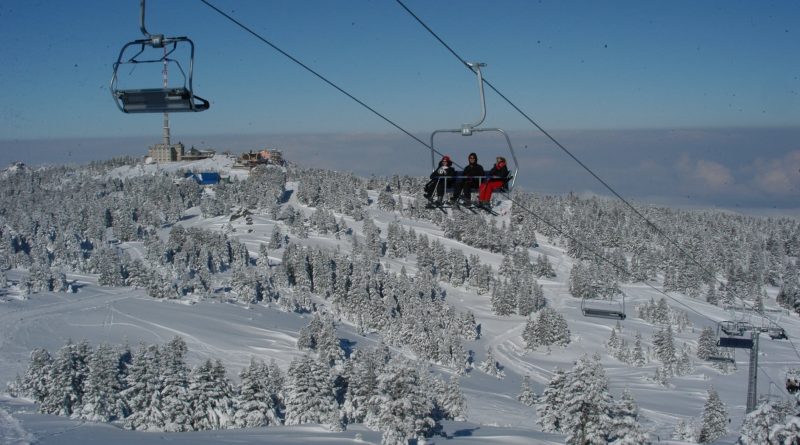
{"x": 235, "y": 332}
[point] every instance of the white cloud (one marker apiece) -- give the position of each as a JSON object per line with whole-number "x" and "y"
{"x": 710, "y": 174}
{"x": 779, "y": 176}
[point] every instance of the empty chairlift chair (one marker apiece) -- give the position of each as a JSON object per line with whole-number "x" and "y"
{"x": 156, "y": 49}
{"x": 604, "y": 308}
{"x": 731, "y": 334}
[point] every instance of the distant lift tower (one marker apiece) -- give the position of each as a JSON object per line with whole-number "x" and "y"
{"x": 732, "y": 335}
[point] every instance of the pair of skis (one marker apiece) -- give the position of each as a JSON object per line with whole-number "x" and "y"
{"x": 444, "y": 205}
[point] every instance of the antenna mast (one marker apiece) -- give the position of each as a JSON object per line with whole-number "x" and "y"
{"x": 167, "y": 143}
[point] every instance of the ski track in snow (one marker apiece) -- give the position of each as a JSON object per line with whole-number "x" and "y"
{"x": 12, "y": 432}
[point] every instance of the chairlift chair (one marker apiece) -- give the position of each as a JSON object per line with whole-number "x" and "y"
{"x": 777, "y": 333}
{"x": 730, "y": 334}
{"x": 164, "y": 99}
{"x": 471, "y": 128}
{"x": 603, "y": 308}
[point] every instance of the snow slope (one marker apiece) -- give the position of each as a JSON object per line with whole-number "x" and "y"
{"x": 235, "y": 332}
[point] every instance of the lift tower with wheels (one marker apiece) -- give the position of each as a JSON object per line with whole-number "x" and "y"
{"x": 732, "y": 335}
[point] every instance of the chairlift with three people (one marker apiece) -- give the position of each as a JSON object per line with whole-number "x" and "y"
{"x": 471, "y": 128}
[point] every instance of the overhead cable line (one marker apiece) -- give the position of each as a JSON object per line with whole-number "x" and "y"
{"x": 310, "y": 70}
{"x": 591, "y": 172}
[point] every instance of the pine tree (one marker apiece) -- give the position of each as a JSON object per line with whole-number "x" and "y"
{"x": 614, "y": 343}
{"x": 683, "y": 431}
{"x": 547, "y": 327}
{"x": 403, "y": 408}
{"x": 684, "y": 364}
{"x": 638, "y": 357}
{"x": 362, "y": 374}
{"x": 143, "y": 391}
{"x": 550, "y": 408}
{"x": 759, "y": 423}
{"x": 453, "y": 404}
{"x": 102, "y": 400}
{"x": 715, "y": 418}
{"x": 211, "y": 397}
{"x": 68, "y": 372}
{"x": 491, "y": 366}
{"x": 309, "y": 396}
{"x": 175, "y": 386}
{"x": 526, "y": 394}
{"x": 35, "y": 382}
{"x": 625, "y": 426}
{"x": 707, "y": 344}
{"x": 503, "y": 301}
{"x": 587, "y": 404}
{"x": 665, "y": 349}
{"x": 255, "y": 406}
{"x": 788, "y": 433}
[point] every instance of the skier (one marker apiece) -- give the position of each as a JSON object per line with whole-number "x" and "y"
{"x": 439, "y": 178}
{"x": 497, "y": 178}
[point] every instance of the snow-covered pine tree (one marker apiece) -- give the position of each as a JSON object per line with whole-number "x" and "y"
{"x": 361, "y": 372}
{"x": 787, "y": 433}
{"x": 551, "y": 403}
{"x": 403, "y": 409}
{"x": 665, "y": 349}
{"x": 587, "y": 404}
{"x": 542, "y": 267}
{"x": 211, "y": 397}
{"x": 614, "y": 344}
{"x": 491, "y": 366}
{"x": 502, "y": 299}
{"x": 102, "y": 401}
{"x": 309, "y": 396}
{"x": 707, "y": 344}
{"x": 759, "y": 423}
{"x": 547, "y": 327}
{"x": 625, "y": 427}
{"x": 263, "y": 262}
{"x": 35, "y": 382}
{"x": 174, "y": 395}
{"x": 386, "y": 200}
{"x": 684, "y": 364}
{"x": 452, "y": 402}
{"x": 715, "y": 418}
{"x": 275, "y": 238}
{"x": 530, "y": 297}
{"x": 637, "y": 357}
{"x": 68, "y": 371}
{"x": 255, "y": 406}
{"x": 143, "y": 391}
{"x": 526, "y": 394}
{"x": 684, "y": 431}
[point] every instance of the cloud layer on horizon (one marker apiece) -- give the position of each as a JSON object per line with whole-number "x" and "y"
{"x": 728, "y": 168}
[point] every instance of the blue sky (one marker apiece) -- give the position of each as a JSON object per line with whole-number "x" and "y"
{"x": 675, "y": 101}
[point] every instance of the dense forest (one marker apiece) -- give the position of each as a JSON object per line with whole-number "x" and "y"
{"x": 62, "y": 220}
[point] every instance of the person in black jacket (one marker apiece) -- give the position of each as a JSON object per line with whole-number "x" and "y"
{"x": 439, "y": 178}
{"x": 468, "y": 179}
